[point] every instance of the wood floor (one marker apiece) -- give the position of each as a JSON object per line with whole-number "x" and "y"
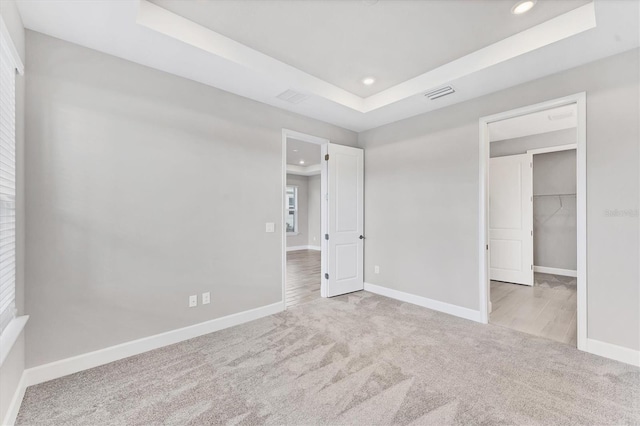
{"x": 548, "y": 309}
{"x": 303, "y": 276}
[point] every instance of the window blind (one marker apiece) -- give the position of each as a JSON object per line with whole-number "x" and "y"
{"x": 7, "y": 185}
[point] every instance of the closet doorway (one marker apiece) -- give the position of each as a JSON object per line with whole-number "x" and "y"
{"x": 533, "y": 223}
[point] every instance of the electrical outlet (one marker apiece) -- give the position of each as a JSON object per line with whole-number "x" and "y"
{"x": 206, "y": 298}
{"x": 193, "y": 301}
{"x": 376, "y": 269}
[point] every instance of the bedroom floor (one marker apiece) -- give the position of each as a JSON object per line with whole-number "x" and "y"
{"x": 358, "y": 359}
{"x": 548, "y": 309}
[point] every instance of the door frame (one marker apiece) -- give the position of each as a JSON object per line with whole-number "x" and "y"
{"x": 580, "y": 100}
{"x": 324, "y": 146}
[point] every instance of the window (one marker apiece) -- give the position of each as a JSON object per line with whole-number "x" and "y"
{"x": 7, "y": 182}
{"x": 291, "y": 219}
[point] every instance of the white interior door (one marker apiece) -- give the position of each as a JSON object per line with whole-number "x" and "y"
{"x": 345, "y": 225}
{"x": 511, "y": 219}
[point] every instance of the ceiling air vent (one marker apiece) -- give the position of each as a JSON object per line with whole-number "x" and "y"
{"x": 292, "y": 96}
{"x": 438, "y": 93}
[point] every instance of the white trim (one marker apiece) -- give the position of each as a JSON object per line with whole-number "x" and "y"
{"x": 581, "y": 219}
{"x": 283, "y": 224}
{"x": 324, "y": 220}
{"x": 88, "y": 360}
{"x": 312, "y": 170}
{"x": 303, "y": 137}
{"x": 296, "y": 248}
{"x": 436, "y": 305}
{"x": 324, "y": 143}
{"x": 581, "y": 194}
{"x": 10, "y": 335}
{"x": 555, "y": 271}
{"x": 556, "y": 148}
{"x": 16, "y": 402}
{"x": 611, "y": 351}
{"x": 17, "y": 62}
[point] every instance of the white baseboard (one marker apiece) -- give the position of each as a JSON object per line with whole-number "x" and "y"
{"x": 67, "y": 366}
{"x": 618, "y": 353}
{"x": 436, "y": 305}
{"x": 555, "y": 271}
{"x": 296, "y": 248}
{"x": 16, "y": 401}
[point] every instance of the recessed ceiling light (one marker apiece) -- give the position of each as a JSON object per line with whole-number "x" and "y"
{"x": 295, "y": 150}
{"x": 368, "y": 81}
{"x": 301, "y": 161}
{"x": 523, "y": 7}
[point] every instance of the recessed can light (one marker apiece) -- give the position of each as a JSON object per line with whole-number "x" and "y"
{"x": 368, "y": 81}
{"x": 523, "y": 7}
{"x": 301, "y": 161}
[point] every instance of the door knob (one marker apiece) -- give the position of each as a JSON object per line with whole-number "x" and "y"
{"x": 362, "y": 237}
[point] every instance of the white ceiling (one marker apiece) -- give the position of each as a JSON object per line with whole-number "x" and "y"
{"x": 343, "y": 41}
{"x": 145, "y": 33}
{"x": 564, "y": 117}
{"x": 299, "y": 150}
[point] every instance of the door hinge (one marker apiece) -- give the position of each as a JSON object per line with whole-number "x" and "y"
{"x": 326, "y": 157}
{"x": 531, "y": 268}
{"x": 487, "y": 246}
{"x": 532, "y": 233}
{"x": 326, "y": 276}
{"x": 531, "y": 164}
{"x": 326, "y": 236}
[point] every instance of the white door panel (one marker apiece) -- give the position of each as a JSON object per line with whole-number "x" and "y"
{"x": 511, "y": 219}
{"x": 345, "y": 220}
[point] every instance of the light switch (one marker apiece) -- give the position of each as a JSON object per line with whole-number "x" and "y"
{"x": 271, "y": 227}
{"x": 376, "y": 269}
{"x": 206, "y": 298}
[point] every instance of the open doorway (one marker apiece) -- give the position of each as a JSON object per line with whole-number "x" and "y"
{"x": 534, "y": 220}
{"x": 340, "y": 172}
{"x": 303, "y": 221}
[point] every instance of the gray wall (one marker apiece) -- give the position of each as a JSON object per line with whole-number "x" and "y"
{"x": 302, "y": 237}
{"x": 555, "y": 218}
{"x": 554, "y": 231}
{"x": 521, "y": 145}
{"x": 421, "y": 195}
{"x": 13, "y": 366}
{"x": 314, "y": 200}
{"x": 144, "y": 188}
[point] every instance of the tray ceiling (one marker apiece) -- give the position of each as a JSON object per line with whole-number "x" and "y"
{"x": 342, "y": 42}
{"x": 317, "y": 51}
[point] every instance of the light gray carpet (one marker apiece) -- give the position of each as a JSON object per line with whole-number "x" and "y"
{"x": 358, "y": 359}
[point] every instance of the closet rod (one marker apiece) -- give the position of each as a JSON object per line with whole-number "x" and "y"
{"x": 553, "y": 195}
